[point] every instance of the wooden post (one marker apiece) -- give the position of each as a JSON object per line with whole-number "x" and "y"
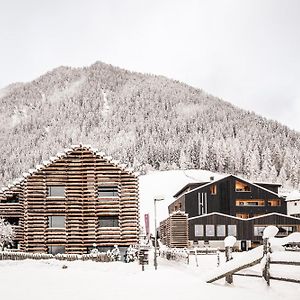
{"x": 266, "y": 251}
{"x": 218, "y": 257}
{"x": 228, "y": 255}
{"x": 196, "y": 258}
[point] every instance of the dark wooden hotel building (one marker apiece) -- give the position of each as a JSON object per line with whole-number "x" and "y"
{"x": 232, "y": 206}
{"x": 77, "y": 200}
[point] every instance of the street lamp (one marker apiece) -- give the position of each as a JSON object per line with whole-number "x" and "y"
{"x": 155, "y": 237}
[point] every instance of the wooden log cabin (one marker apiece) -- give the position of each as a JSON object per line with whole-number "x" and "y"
{"x": 77, "y": 200}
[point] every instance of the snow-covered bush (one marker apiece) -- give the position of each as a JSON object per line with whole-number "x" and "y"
{"x": 114, "y": 254}
{"x": 130, "y": 254}
{"x": 6, "y": 234}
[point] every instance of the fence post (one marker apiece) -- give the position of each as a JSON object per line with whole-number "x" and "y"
{"x": 218, "y": 257}
{"x": 228, "y": 255}
{"x": 196, "y": 257}
{"x": 266, "y": 252}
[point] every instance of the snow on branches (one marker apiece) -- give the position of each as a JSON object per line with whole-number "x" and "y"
{"x": 6, "y": 234}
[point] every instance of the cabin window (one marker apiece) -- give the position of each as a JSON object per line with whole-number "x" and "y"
{"x": 108, "y": 191}
{"x": 243, "y": 216}
{"x": 109, "y": 221}
{"x": 56, "y": 249}
{"x": 285, "y": 230}
{"x": 213, "y": 189}
{"x": 12, "y": 221}
{"x": 12, "y": 199}
{"x": 210, "y": 230}
{"x": 259, "y": 230}
{"x": 198, "y": 230}
{"x": 274, "y": 202}
{"x": 57, "y": 221}
{"x": 249, "y": 202}
{"x": 231, "y": 229}
{"x": 221, "y": 230}
{"x": 242, "y": 187}
{"x": 56, "y": 191}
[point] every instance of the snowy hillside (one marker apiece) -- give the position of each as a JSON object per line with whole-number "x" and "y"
{"x": 150, "y": 122}
{"x": 165, "y": 184}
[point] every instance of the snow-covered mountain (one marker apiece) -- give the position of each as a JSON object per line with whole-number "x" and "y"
{"x": 149, "y": 121}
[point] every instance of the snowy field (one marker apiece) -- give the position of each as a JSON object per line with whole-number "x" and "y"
{"x": 116, "y": 280}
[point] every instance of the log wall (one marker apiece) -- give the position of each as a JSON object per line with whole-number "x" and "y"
{"x": 174, "y": 230}
{"x": 80, "y": 170}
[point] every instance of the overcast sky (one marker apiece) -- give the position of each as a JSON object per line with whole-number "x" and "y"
{"x": 246, "y": 52}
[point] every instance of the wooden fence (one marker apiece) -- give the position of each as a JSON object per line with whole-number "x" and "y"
{"x": 99, "y": 257}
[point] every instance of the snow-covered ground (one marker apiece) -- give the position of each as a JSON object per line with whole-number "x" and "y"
{"x": 34, "y": 280}
{"x": 166, "y": 184}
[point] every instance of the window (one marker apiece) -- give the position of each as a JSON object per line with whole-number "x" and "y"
{"x": 56, "y": 191}
{"x": 198, "y": 230}
{"x": 285, "y": 230}
{"x": 11, "y": 199}
{"x": 57, "y": 221}
{"x": 213, "y": 189}
{"x": 56, "y": 249}
{"x": 109, "y": 221}
{"x": 242, "y": 216}
{"x": 221, "y": 230}
{"x": 231, "y": 230}
{"x": 249, "y": 202}
{"x": 259, "y": 230}
{"x": 210, "y": 230}
{"x": 274, "y": 202}
{"x": 242, "y": 187}
{"x": 108, "y": 191}
{"x": 12, "y": 221}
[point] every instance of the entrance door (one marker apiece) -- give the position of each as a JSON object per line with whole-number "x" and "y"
{"x": 244, "y": 245}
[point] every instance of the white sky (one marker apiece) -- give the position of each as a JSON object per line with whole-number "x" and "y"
{"x": 246, "y": 52}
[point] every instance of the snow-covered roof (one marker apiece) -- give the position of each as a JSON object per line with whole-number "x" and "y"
{"x": 235, "y": 176}
{"x": 59, "y": 155}
{"x": 294, "y": 195}
{"x": 241, "y": 219}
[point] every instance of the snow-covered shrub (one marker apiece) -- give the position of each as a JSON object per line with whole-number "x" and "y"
{"x": 114, "y": 254}
{"x": 130, "y": 254}
{"x": 6, "y": 234}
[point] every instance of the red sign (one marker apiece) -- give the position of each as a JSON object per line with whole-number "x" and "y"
{"x": 147, "y": 225}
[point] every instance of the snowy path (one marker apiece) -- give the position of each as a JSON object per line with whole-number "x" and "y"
{"x": 90, "y": 280}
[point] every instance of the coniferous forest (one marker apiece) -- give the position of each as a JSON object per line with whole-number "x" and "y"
{"x": 147, "y": 121}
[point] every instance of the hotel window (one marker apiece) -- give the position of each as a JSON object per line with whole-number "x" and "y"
{"x": 57, "y": 249}
{"x": 210, "y": 230}
{"x": 274, "y": 202}
{"x": 12, "y": 221}
{"x": 242, "y": 216}
{"x": 108, "y": 191}
{"x": 57, "y": 221}
{"x": 285, "y": 230}
{"x": 198, "y": 230}
{"x": 221, "y": 230}
{"x": 56, "y": 191}
{"x": 242, "y": 187}
{"x": 259, "y": 230}
{"x": 109, "y": 221}
{"x": 213, "y": 189}
{"x": 231, "y": 229}
{"x": 249, "y": 202}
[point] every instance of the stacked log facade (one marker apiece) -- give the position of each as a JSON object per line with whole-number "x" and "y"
{"x": 174, "y": 230}
{"x": 81, "y": 171}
